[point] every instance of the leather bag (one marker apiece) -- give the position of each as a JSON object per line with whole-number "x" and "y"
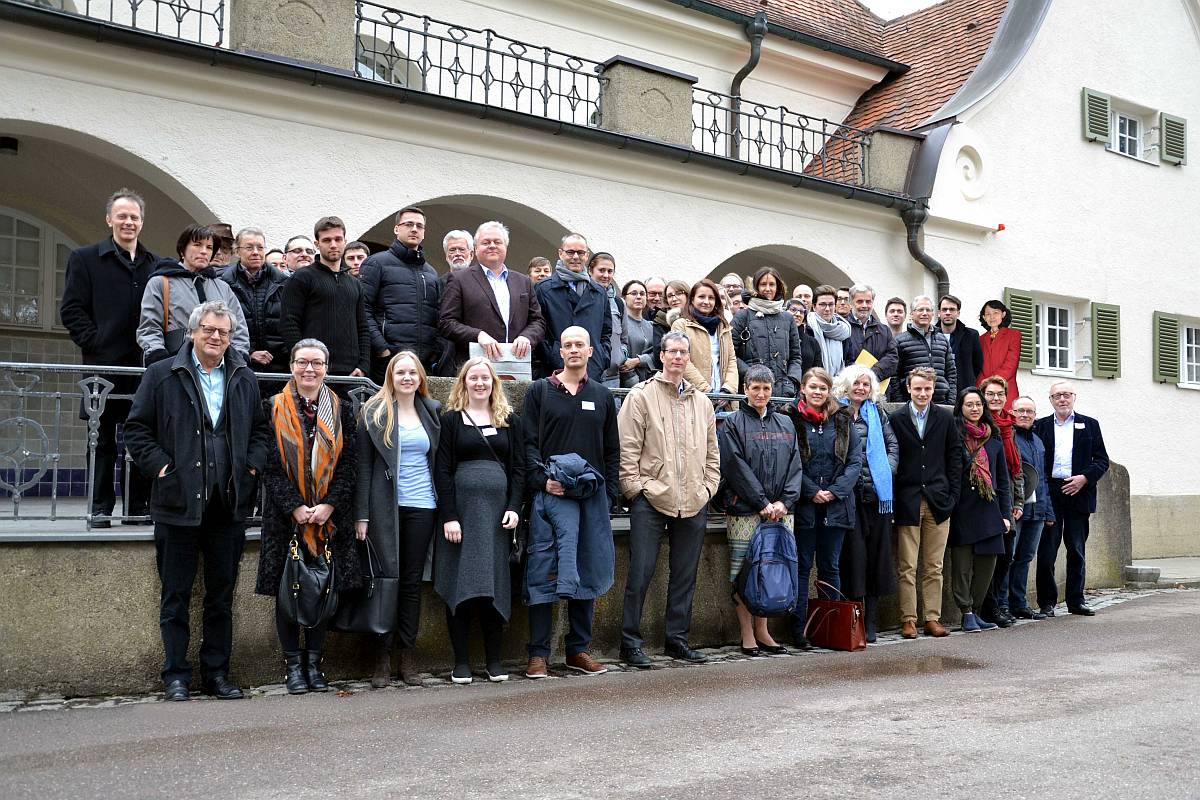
{"x": 306, "y": 593}
{"x": 835, "y": 624}
{"x": 372, "y": 608}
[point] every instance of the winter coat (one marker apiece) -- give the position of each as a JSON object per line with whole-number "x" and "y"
{"x": 375, "y": 487}
{"x": 698, "y": 372}
{"x": 977, "y": 521}
{"x": 669, "y": 447}
{"x": 563, "y": 307}
{"x": 832, "y": 457}
{"x": 865, "y": 483}
{"x": 759, "y": 462}
{"x": 1001, "y": 356}
{"x": 810, "y": 349}
{"x": 282, "y": 497}
{"x": 968, "y": 356}
{"x": 262, "y": 305}
{"x": 319, "y": 303}
{"x": 1034, "y": 452}
{"x": 102, "y": 302}
{"x": 876, "y": 338}
{"x": 773, "y": 341}
{"x": 402, "y": 296}
{"x": 933, "y": 349}
{"x": 165, "y": 426}
{"x": 151, "y": 335}
{"x": 928, "y": 467}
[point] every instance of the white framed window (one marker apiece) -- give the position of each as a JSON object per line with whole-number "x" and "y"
{"x": 1189, "y": 355}
{"x": 33, "y": 270}
{"x": 1055, "y": 336}
{"x": 1128, "y": 131}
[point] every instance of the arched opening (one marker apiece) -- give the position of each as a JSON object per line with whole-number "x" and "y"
{"x": 532, "y": 233}
{"x": 795, "y": 264}
{"x": 378, "y": 60}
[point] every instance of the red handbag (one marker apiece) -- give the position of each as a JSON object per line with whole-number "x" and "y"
{"x": 835, "y": 624}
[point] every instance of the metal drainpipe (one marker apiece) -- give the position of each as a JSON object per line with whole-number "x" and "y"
{"x": 914, "y": 219}
{"x": 756, "y": 29}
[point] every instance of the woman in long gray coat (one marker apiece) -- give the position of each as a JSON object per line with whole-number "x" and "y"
{"x": 396, "y": 498}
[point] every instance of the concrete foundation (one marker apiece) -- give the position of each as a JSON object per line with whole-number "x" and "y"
{"x": 314, "y": 31}
{"x": 1164, "y": 526}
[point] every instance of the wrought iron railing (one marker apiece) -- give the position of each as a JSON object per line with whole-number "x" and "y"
{"x": 776, "y": 137}
{"x": 199, "y": 21}
{"x": 475, "y": 65}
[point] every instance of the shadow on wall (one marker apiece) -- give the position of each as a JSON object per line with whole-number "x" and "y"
{"x": 795, "y": 264}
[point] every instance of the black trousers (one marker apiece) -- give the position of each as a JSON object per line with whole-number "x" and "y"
{"x": 685, "y": 537}
{"x": 178, "y": 550}
{"x": 416, "y": 531}
{"x": 104, "y": 498}
{"x": 491, "y": 625}
{"x": 579, "y": 634}
{"x": 289, "y": 634}
{"x": 1070, "y": 529}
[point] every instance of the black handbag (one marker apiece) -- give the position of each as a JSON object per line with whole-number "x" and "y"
{"x": 373, "y": 608}
{"x": 306, "y": 593}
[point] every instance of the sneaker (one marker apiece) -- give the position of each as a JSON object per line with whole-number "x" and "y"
{"x": 496, "y": 673}
{"x": 462, "y": 674}
{"x": 536, "y": 668}
{"x": 583, "y": 662}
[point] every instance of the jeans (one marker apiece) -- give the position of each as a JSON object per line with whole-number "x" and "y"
{"x": 826, "y": 543}
{"x": 1028, "y": 534}
{"x": 579, "y": 634}
{"x": 416, "y": 531}
{"x": 685, "y": 537}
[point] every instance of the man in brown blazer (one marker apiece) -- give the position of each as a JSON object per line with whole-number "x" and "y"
{"x": 487, "y": 304}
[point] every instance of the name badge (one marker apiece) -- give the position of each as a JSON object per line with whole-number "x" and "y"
{"x": 588, "y": 405}
{"x": 488, "y": 431}
{"x": 1079, "y": 426}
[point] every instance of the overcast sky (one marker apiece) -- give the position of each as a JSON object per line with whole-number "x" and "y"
{"x": 890, "y": 9}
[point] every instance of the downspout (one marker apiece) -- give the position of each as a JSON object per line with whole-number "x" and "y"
{"x": 914, "y": 219}
{"x": 756, "y": 29}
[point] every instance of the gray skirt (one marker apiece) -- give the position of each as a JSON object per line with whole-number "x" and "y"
{"x": 478, "y": 565}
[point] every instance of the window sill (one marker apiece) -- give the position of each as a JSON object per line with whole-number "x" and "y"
{"x": 1061, "y": 374}
{"x": 1195, "y": 387}
{"x": 1139, "y": 159}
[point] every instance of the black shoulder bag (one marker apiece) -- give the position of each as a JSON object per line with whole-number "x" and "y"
{"x": 306, "y": 592}
{"x": 372, "y": 608}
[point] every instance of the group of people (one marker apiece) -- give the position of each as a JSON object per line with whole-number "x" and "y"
{"x": 813, "y": 447}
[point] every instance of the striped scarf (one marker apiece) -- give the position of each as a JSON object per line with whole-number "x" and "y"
{"x": 310, "y": 472}
{"x": 976, "y": 436}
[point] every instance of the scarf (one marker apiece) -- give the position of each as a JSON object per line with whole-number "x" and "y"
{"x": 764, "y": 307}
{"x": 309, "y": 470}
{"x": 976, "y": 435}
{"x": 709, "y": 323}
{"x": 1012, "y": 456}
{"x": 830, "y": 336}
{"x": 877, "y": 457}
{"x": 808, "y": 413}
{"x": 573, "y": 279}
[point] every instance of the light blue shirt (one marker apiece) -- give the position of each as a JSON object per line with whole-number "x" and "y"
{"x": 919, "y": 418}
{"x": 212, "y": 387}
{"x": 1064, "y": 446}
{"x": 414, "y": 484}
{"x": 499, "y": 284}
{"x": 715, "y": 378}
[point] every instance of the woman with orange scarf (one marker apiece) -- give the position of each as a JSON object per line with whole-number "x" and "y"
{"x": 309, "y": 483}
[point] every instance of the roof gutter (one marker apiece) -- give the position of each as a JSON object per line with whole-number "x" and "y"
{"x": 319, "y": 75}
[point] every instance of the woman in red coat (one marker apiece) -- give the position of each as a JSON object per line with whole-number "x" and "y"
{"x": 1001, "y": 345}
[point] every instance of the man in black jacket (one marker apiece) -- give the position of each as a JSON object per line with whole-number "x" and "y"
{"x": 570, "y": 297}
{"x": 259, "y": 289}
{"x": 402, "y": 296}
{"x": 322, "y": 302}
{"x": 921, "y": 344}
{"x": 1076, "y": 460}
{"x": 198, "y": 425}
{"x": 101, "y": 306}
{"x": 964, "y": 341}
{"x": 926, "y": 490}
{"x": 868, "y": 333}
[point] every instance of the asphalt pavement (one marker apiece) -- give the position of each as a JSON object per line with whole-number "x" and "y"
{"x": 1102, "y": 707}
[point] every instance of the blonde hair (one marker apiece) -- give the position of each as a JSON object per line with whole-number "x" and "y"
{"x": 380, "y": 409}
{"x": 457, "y": 401}
{"x": 849, "y": 376}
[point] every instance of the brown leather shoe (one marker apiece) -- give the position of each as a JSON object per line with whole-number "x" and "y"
{"x": 583, "y": 662}
{"x": 909, "y": 629}
{"x": 536, "y": 668}
{"x": 935, "y": 628}
{"x": 407, "y": 673}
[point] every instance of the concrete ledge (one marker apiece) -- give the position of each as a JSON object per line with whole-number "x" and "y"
{"x": 1164, "y": 526}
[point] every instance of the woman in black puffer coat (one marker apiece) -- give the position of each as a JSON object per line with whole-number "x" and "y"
{"x": 765, "y": 333}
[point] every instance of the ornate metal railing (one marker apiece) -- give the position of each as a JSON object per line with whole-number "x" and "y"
{"x": 479, "y": 66}
{"x": 774, "y": 136}
{"x": 199, "y": 21}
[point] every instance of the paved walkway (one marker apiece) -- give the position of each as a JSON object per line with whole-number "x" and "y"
{"x": 1174, "y": 571}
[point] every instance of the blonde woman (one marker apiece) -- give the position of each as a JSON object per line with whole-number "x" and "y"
{"x": 396, "y": 498}
{"x": 480, "y": 477}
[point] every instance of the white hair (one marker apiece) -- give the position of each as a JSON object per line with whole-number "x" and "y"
{"x": 862, "y": 288}
{"x": 921, "y": 297}
{"x": 461, "y": 235}
{"x": 492, "y": 225}
{"x": 846, "y": 379}
{"x": 217, "y": 308}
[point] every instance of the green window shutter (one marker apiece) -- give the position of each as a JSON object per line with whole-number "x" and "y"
{"x": 1097, "y": 116}
{"x": 1020, "y": 304}
{"x": 1106, "y": 341}
{"x": 1166, "y": 348}
{"x": 1172, "y": 139}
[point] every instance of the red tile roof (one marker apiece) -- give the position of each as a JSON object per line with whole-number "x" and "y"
{"x": 845, "y": 22}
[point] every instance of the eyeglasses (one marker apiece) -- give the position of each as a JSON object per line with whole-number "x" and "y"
{"x": 635, "y": 293}
{"x": 576, "y": 253}
{"x": 304, "y": 363}
{"x": 252, "y": 248}
{"x": 1023, "y": 412}
{"x": 676, "y": 352}
{"x": 296, "y": 251}
{"x": 673, "y": 295}
{"x": 732, "y": 287}
{"x": 923, "y": 310}
{"x": 1062, "y": 395}
{"x": 974, "y": 404}
{"x": 208, "y": 331}
{"x": 417, "y": 226}
{"x": 995, "y": 395}
{"x": 829, "y": 304}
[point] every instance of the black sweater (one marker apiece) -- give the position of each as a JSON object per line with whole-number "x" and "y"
{"x": 585, "y": 424}
{"x": 319, "y": 303}
{"x": 459, "y": 442}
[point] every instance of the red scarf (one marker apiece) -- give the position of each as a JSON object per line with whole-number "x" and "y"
{"x": 976, "y": 437}
{"x": 809, "y": 413}
{"x": 1004, "y": 421}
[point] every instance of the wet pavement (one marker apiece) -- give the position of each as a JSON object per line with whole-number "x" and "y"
{"x": 1069, "y": 707}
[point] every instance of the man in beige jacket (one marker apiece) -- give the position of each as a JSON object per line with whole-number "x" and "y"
{"x": 670, "y": 467}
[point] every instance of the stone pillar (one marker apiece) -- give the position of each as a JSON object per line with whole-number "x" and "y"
{"x": 889, "y": 158}
{"x": 644, "y": 100}
{"x": 313, "y": 31}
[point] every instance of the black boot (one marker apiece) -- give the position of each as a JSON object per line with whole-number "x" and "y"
{"x": 381, "y": 676}
{"x": 316, "y": 678}
{"x": 294, "y": 673}
{"x": 870, "y": 612}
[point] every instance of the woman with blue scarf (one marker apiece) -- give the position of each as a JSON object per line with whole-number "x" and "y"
{"x": 867, "y": 569}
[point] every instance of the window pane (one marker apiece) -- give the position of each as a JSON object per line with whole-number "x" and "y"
{"x": 27, "y": 253}
{"x": 28, "y": 282}
{"x": 6, "y": 225}
{"x": 5, "y": 309}
{"x": 6, "y": 250}
{"x": 25, "y": 310}
{"x": 6, "y": 280}
{"x": 27, "y": 230}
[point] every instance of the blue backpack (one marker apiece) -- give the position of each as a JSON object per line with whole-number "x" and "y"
{"x": 769, "y": 580}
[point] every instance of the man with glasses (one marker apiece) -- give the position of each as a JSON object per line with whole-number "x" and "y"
{"x": 734, "y": 287}
{"x": 298, "y": 253}
{"x": 922, "y": 345}
{"x": 198, "y": 425}
{"x": 570, "y": 297}
{"x": 1075, "y": 460}
{"x": 402, "y": 296}
{"x": 656, "y": 288}
{"x": 258, "y": 287}
{"x": 831, "y": 332}
{"x": 1038, "y": 510}
{"x": 869, "y": 334}
{"x": 842, "y": 302}
{"x": 964, "y": 343}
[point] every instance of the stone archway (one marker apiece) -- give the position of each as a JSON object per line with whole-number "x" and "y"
{"x": 532, "y": 233}
{"x": 795, "y": 264}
